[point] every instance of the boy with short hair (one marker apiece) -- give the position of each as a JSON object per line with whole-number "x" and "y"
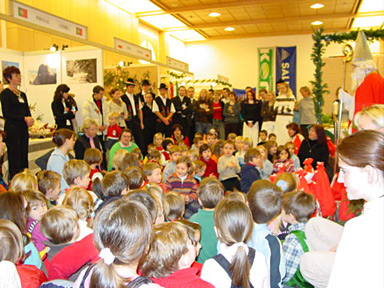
{"x": 272, "y": 137}
{"x": 211, "y": 139}
{"x": 264, "y": 201}
{"x": 136, "y": 177}
{"x": 170, "y": 168}
{"x": 231, "y": 137}
{"x": 210, "y": 193}
{"x": 49, "y": 183}
{"x": 60, "y": 225}
{"x": 297, "y": 209}
{"x": 76, "y": 173}
{"x": 152, "y": 174}
{"x": 249, "y": 172}
{"x": 263, "y": 137}
{"x": 176, "y": 206}
{"x": 200, "y": 168}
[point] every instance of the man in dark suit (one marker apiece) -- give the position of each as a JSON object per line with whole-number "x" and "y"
{"x": 164, "y": 109}
{"x": 146, "y": 88}
{"x": 134, "y": 120}
{"x": 184, "y": 109}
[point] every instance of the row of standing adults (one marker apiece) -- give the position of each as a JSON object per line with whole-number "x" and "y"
{"x": 145, "y": 114}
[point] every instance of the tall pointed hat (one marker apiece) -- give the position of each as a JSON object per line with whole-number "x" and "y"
{"x": 362, "y": 51}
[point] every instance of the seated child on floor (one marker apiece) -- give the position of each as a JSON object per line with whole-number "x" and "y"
{"x": 266, "y": 167}
{"x": 81, "y": 201}
{"x": 49, "y": 184}
{"x": 228, "y": 167}
{"x": 12, "y": 250}
{"x": 200, "y": 168}
{"x": 287, "y": 182}
{"x": 283, "y": 160}
{"x": 297, "y": 209}
{"x": 210, "y": 193}
{"x": 182, "y": 182}
{"x": 93, "y": 158}
{"x": 206, "y": 157}
{"x": 264, "y": 201}
{"x": 249, "y": 171}
{"x": 233, "y": 222}
{"x": 36, "y": 208}
{"x": 170, "y": 168}
{"x": 171, "y": 254}
{"x": 176, "y": 206}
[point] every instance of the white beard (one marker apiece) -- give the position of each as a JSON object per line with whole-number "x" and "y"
{"x": 361, "y": 70}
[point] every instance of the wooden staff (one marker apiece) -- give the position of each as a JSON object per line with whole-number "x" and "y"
{"x": 348, "y": 54}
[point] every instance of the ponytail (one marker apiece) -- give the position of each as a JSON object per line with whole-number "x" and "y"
{"x": 240, "y": 267}
{"x": 105, "y": 276}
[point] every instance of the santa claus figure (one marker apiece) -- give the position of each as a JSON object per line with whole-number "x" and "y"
{"x": 367, "y": 83}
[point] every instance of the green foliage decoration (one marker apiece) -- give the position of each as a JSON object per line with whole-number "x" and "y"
{"x": 320, "y": 41}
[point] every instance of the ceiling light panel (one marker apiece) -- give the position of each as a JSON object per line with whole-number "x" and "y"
{"x": 135, "y": 6}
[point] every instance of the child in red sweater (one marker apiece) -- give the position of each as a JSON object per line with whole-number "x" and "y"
{"x": 205, "y": 156}
{"x": 178, "y": 253}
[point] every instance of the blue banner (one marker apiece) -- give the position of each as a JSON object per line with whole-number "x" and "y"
{"x": 286, "y": 66}
{"x": 240, "y": 93}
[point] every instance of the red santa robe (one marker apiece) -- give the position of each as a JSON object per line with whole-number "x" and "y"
{"x": 370, "y": 92}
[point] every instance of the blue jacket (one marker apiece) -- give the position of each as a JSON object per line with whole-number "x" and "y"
{"x": 249, "y": 174}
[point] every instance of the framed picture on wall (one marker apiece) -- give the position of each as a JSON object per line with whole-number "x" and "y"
{"x": 81, "y": 71}
{"x": 43, "y": 75}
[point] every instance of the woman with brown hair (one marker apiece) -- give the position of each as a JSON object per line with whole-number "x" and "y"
{"x": 315, "y": 147}
{"x": 232, "y": 111}
{"x": 251, "y": 113}
{"x": 62, "y": 109}
{"x": 203, "y": 113}
{"x": 268, "y": 112}
{"x": 359, "y": 245}
{"x": 64, "y": 140}
{"x": 14, "y": 104}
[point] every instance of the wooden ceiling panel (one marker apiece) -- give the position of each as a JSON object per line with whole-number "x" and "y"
{"x": 259, "y": 17}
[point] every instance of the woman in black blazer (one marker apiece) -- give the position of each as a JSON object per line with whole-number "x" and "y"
{"x": 18, "y": 118}
{"x": 63, "y": 112}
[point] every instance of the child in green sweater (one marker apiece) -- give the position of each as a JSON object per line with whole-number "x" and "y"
{"x": 210, "y": 192}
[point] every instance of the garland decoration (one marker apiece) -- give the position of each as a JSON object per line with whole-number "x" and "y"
{"x": 318, "y": 50}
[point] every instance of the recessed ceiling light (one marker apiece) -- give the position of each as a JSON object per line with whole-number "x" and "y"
{"x": 214, "y": 14}
{"x": 317, "y": 23}
{"x": 317, "y": 6}
{"x": 229, "y": 29}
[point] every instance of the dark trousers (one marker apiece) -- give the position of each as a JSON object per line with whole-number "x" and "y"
{"x": 231, "y": 184}
{"x": 138, "y": 135}
{"x": 232, "y": 128}
{"x": 17, "y": 148}
{"x": 164, "y": 129}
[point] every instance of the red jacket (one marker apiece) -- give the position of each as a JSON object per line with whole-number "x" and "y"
{"x": 71, "y": 258}
{"x": 186, "y": 278}
{"x": 211, "y": 168}
{"x": 30, "y": 276}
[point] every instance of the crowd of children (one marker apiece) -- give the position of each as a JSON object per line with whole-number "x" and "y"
{"x": 225, "y": 213}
